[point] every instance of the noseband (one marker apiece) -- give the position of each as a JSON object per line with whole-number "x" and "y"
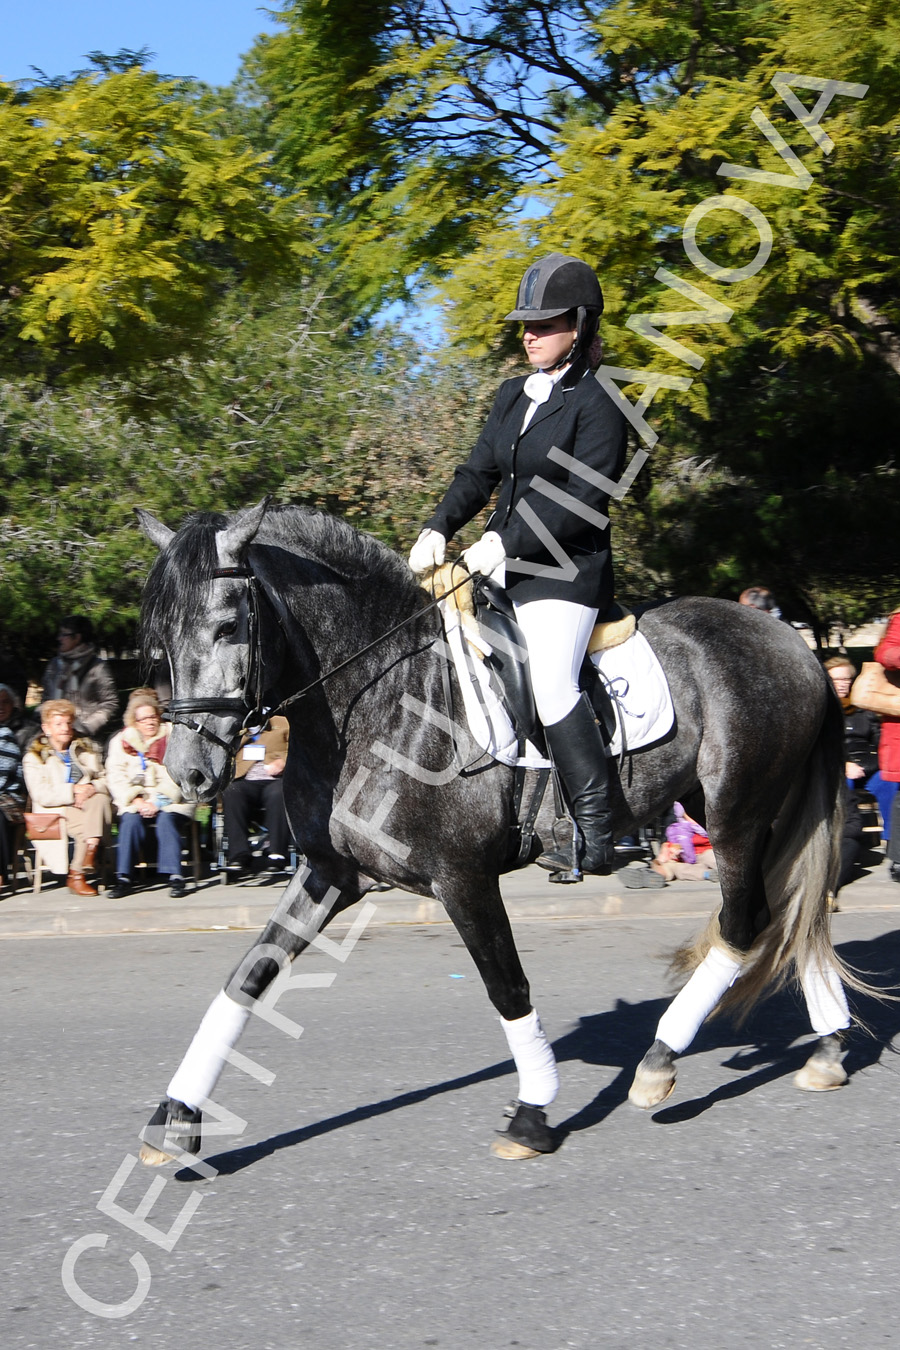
{"x": 249, "y": 707}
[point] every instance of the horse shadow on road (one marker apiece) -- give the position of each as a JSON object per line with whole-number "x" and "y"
{"x": 764, "y": 1050}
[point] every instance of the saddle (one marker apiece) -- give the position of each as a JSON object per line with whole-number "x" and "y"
{"x": 487, "y": 619}
{"x": 487, "y": 615}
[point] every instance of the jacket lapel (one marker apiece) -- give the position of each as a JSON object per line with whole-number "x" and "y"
{"x": 554, "y": 404}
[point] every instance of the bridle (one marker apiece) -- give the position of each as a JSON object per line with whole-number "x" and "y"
{"x": 250, "y": 707}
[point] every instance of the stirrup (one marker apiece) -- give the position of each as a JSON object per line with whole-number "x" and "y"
{"x": 561, "y": 868}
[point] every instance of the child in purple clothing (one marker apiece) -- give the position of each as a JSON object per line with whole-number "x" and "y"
{"x": 683, "y": 832}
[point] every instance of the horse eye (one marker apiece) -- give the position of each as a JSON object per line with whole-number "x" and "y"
{"x": 227, "y": 629}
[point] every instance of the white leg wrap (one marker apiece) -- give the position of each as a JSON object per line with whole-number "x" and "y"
{"x": 535, "y": 1060}
{"x": 686, "y": 1013}
{"x": 218, "y": 1033}
{"x": 825, "y": 998}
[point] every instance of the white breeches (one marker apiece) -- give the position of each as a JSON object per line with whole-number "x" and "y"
{"x": 208, "y": 1052}
{"x": 556, "y": 633}
{"x": 535, "y": 1060}
{"x": 682, "y": 1019}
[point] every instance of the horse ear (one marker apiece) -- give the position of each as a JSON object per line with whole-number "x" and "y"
{"x": 233, "y": 542}
{"x": 158, "y": 533}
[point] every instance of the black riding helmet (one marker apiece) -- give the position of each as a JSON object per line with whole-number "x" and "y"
{"x": 554, "y": 286}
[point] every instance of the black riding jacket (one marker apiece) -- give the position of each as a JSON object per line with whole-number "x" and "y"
{"x": 562, "y": 527}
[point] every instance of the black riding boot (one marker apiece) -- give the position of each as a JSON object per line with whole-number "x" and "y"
{"x": 576, "y": 748}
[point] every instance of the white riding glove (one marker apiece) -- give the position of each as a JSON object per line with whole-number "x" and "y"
{"x": 487, "y": 555}
{"x": 428, "y": 551}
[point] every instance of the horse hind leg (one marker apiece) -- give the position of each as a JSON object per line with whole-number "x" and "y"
{"x": 828, "y": 1012}
{"x": 654, "y": 1078}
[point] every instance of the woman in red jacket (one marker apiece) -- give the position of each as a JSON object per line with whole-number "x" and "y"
{"x": 888, "y": 654}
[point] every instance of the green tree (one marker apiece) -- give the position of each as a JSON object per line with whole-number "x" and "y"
{"x": 125, "y": 214}
{"x": 614, "y": 116}
{"x": 286, "y": 399}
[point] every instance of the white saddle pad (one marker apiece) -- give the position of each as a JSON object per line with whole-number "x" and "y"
{"x": 631, "y": 673}
{"x": 640, "y": 693}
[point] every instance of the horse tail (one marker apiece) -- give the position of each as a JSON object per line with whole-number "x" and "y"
{"x": 800, "y": 866}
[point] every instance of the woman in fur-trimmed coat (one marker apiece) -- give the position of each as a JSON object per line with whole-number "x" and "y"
{"x": 64, "y": 776}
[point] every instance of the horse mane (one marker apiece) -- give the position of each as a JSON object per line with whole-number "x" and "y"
{"x": 175, "y": 590}
{"x": 175, "y": 593}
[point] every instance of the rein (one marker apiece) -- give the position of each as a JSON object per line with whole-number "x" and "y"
{"x": 250, "y": 706}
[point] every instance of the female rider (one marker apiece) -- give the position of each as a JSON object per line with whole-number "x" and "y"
{"x": 554, "y": 445}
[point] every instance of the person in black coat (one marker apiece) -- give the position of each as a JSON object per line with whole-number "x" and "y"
{"x": 552, "y": 448}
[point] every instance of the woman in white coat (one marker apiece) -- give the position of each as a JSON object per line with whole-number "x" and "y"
{"x": 144, "y": 793}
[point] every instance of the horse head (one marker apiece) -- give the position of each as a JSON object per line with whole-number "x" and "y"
{"x": 201, "y": 608}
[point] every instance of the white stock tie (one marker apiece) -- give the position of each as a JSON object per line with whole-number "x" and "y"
{"x": 539, "y": 386}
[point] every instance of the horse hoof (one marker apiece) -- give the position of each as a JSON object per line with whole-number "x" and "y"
{"x": 819, "y": 1077}
{"x": 172, "y": 1125}
{"x": 528, "y": 1133}
{"x": 651, "y": 1087}
{"x": 153, "y": 1157}
{"x": 508, "y": 1148}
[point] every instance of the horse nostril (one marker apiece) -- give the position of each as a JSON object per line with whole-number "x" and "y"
{"x": 195, "y": 777}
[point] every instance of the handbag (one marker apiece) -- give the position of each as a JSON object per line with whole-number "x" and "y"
{"x": 877, "y": 690}
{"x": 42, "y": 827}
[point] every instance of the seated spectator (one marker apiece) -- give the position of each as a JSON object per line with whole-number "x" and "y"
{"x": 145, "y": 795}
{"x": 23, "y": 726}
{"x": 760, "y": 597}
{"x": 65, "y": 777}
{"x": 81, "y": 676}
{"x": 12, "y": 796}
{"x": 687, "y": 834}
{"x": 672, "y": 864}
{"x": 257, "y": 790}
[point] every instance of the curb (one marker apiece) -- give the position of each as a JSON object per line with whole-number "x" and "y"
{"x": 528, "y": 895}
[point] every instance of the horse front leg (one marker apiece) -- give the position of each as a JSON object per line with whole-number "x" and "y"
{"x": 479, "y": 917}
{"x": 306, "y": 906}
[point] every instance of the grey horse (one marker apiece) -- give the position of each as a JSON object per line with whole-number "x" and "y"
{"x": 271, "y": 607}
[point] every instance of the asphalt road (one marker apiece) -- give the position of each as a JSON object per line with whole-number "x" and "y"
{"x": 361, "y": 1207}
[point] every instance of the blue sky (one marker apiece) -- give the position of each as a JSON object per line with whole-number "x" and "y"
{"x": 205, "y": 38}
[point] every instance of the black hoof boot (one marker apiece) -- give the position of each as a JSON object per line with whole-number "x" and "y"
{"x": 172, "y": 1130}
{"x": 528, "y": 1128}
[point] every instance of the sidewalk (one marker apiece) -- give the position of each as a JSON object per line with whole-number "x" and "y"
{"x": 528, "y": 895}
